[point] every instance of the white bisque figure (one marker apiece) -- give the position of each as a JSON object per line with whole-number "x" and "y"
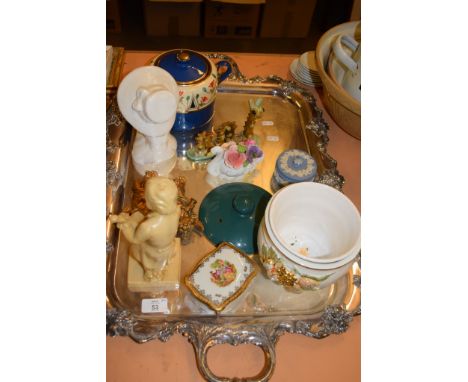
{"x": 152, "y": 237}
{"x": 147, "y": 98}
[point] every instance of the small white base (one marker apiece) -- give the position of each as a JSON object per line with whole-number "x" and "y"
{"x": 169, "y": 282}
{"x": 163, "y": 168}
{"x": 161, "y": 158}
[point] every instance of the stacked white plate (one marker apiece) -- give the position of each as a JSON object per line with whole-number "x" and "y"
{"x": 304, "y": 70}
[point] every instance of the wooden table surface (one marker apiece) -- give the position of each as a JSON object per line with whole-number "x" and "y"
{"x": 298, "y": 358}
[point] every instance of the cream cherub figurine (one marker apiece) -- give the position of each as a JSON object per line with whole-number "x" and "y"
{"x": 152, "y": 237}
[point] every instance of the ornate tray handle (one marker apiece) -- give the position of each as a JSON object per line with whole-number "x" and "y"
{"x": 203, "y": 335}
{"x": 213, "y": 336}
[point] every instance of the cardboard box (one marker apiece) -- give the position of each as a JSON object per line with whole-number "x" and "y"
{"x": 356, "y": 11}
{"x": 172, "y": 17}
{"x": 287, "y": 18}
{"x": 230, "y": 19}
{"x": 112, "y": 16}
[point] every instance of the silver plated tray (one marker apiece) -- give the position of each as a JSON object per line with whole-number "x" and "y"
{"x": 265, "y": 310}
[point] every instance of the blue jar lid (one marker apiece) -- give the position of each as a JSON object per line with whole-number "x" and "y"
{"x": 296, "y": 166}
{"x": 186, "y": 66}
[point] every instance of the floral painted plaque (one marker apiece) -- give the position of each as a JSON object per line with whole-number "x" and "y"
{"x": 221, "y": 276}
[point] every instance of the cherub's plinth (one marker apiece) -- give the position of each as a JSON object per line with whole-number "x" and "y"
{"x": 169, "y": 282}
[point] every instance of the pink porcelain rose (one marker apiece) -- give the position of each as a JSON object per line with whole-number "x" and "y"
{"x": 233, "y": 158}
{"x": 250, "y": 142}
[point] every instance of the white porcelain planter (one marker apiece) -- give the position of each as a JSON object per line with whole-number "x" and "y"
{"x": 309, "y": 236}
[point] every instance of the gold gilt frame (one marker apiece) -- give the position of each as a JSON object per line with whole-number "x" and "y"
{"x": 115, "y": 73}
{"x": 198, "y": 295}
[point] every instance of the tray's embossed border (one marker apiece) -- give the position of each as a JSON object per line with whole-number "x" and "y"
{"x": 204, "y": 333}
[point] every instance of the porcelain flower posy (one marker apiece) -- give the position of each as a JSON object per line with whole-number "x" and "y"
{"x": 234, "y": 160}
{"x": 241, "y": 154}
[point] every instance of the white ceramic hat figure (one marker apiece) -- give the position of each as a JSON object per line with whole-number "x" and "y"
{"x": 147, "y": 98}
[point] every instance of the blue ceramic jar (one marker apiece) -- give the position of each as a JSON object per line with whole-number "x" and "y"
{"x": 293, "y": 166}
{"x": 197, "y": 79}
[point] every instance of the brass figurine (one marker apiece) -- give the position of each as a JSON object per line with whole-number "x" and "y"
{"x": 255, "y": 112}
{"x": 226, "y": 132}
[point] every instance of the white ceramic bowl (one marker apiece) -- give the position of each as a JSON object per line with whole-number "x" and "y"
{"x": 309, "y": 236}
{"x": 315, "y": 217}
{"x": 344, "y": 109}
{"x": 339, "y": 71}
{"x": 335, "y": 70}
{"x": 306, "y": 261}
{"x": 297, "y": 257}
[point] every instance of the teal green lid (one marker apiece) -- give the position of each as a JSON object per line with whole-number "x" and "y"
{"x": 232, "y": 213}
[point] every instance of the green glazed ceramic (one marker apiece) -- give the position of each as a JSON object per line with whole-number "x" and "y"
{"x": 232, "y": 213}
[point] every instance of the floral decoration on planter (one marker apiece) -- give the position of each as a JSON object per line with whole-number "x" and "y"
{"x": 279, "y": 273}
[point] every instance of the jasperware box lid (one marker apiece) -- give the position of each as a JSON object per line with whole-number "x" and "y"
{"x": 296, "y": 166}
